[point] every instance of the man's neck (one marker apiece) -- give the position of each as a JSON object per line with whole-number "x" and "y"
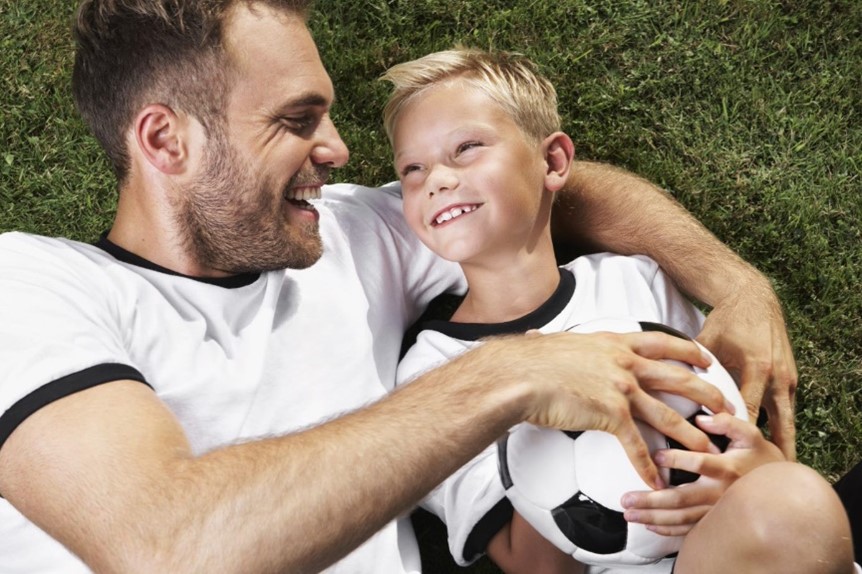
{"x": 147, "y": 228}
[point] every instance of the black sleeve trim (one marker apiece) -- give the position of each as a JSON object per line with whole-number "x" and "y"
{"x": 61, "y": 388}
{"x": 487, "y": 527}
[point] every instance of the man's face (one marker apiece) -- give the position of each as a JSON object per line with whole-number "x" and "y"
{"x": 473, "y": 183}
{"x": 246, "y": 209}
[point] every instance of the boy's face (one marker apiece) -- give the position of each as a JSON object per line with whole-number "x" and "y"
{"x": 473, "y": 183}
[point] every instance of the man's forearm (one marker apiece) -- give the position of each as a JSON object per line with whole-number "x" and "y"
{"x": 394, "y": 452}
{"x": 610, "y": 209}
{"x": 135, "y": 500}
{"x": 109, "y": 473}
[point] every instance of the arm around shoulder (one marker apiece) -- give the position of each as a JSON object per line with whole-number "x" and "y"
{"x": 617, "y": 211}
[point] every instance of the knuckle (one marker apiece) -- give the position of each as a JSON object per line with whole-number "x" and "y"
{"x": 763, "y": 366}
{"x": 626, "y": 385}
{"x": 670, "y": 418}
{"x": 752, "y": 406}
{"x": 620, "y": 410}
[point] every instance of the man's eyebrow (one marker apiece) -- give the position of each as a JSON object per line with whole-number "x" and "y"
{"x": 311, "y": 99}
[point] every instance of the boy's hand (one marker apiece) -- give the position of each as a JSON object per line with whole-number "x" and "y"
{"x": 746, "y": 332}
{"x": 675, "y": 511}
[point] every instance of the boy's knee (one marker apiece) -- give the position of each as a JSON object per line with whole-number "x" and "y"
{"x": 793, "y": 512}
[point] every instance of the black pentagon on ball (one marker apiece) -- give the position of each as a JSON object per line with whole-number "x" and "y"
{"x": 591, "y": 526}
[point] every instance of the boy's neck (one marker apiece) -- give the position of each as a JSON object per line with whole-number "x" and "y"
{"x": 501, "y": 291}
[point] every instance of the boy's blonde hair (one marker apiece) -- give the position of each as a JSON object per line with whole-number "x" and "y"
{"x": 510, "y": 79}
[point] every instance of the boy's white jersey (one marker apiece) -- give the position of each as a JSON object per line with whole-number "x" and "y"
{"x": 472, "y": 502}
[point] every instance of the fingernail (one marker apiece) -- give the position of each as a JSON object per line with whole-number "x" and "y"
{"x": 660, "y": 457}
{"x": 659, "y": 483}
{"x": 627, "y": 500}
{"x": 704, "y": 419}
{"x": 630, "y": 516}
{"x": 729, "y": 407}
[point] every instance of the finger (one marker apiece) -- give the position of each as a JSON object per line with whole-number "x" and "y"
{"x": 779, "y": 399}
{"x": 657, "y": 376}
{"x": 670, "y": 423}
{"x": 681, "y": 530}
{"x": 682, "y": 516}
{"x": 782, "y": 428}
{"x": 685, "y": 517}
{"x": 702, "y": 492}
{"x": 755, "y": 379}
{"x": 637, "y": 451}
{"x": 742, "y": 434}
{"x": 655, "y": 345}
{"x": 714, "y": 467}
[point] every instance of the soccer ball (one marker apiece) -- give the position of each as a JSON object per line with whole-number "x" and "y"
{"x": 568, "y": 485}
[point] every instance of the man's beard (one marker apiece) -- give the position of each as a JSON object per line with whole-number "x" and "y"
{"x": 234, "y": 222}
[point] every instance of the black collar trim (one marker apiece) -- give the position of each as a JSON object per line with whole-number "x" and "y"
{"x": 534, "y": 320}
{"x": 232, "y": 282}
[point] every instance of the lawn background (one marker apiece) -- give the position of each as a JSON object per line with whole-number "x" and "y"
{"x": 748, "y": 112}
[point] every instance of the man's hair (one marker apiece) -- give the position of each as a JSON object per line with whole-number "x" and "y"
{"x": 509, "y": 79}
{"x": 134, "y": 52}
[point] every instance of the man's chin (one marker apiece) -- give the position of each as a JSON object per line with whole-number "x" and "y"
{"x": 305, "y": 262}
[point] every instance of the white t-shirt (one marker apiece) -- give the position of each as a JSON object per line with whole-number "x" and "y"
{"x": 237, "y": 359}
{"x": 472, "y": 502}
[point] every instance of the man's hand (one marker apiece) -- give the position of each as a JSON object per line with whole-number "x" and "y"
{"x": 602, "y": 381}
{"x": 746, "y": 332}
{"x": 675, "y": 511}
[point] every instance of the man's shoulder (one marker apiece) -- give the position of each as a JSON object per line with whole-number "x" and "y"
{"x": 28, "y": 244}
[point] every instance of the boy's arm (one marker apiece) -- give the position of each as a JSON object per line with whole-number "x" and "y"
{"x": 518, "y": 548}
{"x": 606, "y": 208}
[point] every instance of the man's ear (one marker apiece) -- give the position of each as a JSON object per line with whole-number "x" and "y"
{"x": 559, "y": 152}
{"x": 163, "y": 138}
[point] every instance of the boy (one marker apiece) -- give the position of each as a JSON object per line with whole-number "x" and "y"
{"x": 479, "y": 153}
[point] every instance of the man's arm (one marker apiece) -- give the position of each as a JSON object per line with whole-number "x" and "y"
{"x": 609, "y": 209}
{"x": 109, "y": 472}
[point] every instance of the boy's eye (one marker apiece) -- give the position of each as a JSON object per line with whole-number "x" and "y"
{"x": 468, "y": 145}
{"x": 408, "y": 169}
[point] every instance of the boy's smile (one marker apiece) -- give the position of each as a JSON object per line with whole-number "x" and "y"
{"x": 447, "y": 214}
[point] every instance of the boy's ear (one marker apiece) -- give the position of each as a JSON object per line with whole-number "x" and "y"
{"x": 559, "y": 152}
{"x": 163, "y": 138}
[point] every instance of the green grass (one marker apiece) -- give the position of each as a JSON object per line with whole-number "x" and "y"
{"x": 748, "y": 111}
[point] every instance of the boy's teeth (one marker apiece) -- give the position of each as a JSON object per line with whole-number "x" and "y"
{"x": 453, "y": 213}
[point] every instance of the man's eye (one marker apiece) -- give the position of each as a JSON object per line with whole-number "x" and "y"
{"x": 297, "y": 123}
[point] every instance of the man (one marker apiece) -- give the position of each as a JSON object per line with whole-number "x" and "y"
{"x": 255, "y": 316}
